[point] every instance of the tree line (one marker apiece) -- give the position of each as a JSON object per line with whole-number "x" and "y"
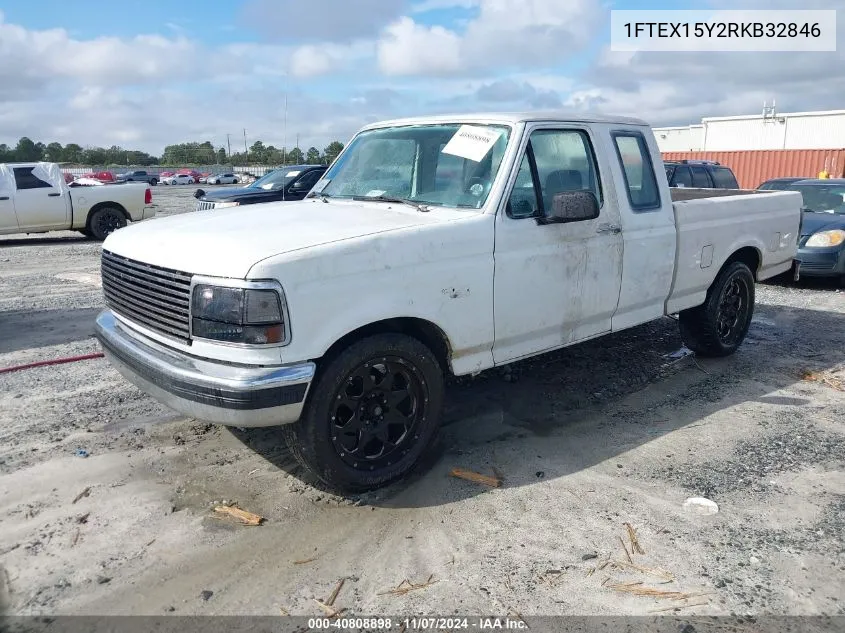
{"x": 181, "y": 154}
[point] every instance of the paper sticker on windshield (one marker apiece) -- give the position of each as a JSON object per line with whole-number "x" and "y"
{"x": 291, "y": 174}
{"x": 472, "y": 142}
{"x": 374, "y": 193}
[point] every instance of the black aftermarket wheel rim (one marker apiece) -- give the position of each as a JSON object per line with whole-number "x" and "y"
{"x": 108, "y": 223}
{"x": 376, "y": 413}
{"x": 733, "y": 311}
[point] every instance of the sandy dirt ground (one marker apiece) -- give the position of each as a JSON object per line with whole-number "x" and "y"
{"x": 589, "y": 439}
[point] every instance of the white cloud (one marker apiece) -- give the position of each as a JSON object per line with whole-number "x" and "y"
{"x": 34, "y": 58}
{"x": 408, "y": 48}
{"x": 312, "y": 60}
{"x": 504, "y": 34}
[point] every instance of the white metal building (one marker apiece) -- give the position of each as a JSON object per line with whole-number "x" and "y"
{"x": 769, "y": 130}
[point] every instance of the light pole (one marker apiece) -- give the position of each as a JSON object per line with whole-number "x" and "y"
{"x": 285, "y": 126}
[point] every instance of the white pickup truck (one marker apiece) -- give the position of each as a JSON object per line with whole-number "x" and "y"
{"x": 431, "y": 245}
{"x": 34, "y": 198}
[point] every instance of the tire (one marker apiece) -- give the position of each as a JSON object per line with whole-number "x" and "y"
{"x": 153, "y": 182}
{"x": 718, "y": 326}
{"x": 352, "y": 387}
{"x": 235, "y": 181}
{"x": 105, "y": 221}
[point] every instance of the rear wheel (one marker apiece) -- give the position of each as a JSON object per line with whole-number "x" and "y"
{"x": 153, "y": 182}
{"x": 719, "y": 325}
{"x": 105, "y": 221}
{"x": 372, "y": 412}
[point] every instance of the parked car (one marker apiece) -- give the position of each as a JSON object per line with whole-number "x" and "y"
{"x": 338, "y": 315}
{"x": 700, "y": 174}
{"x": 779, "y": 184}
{"x": 222, "y": 179}
{"x": 102, "y": 176}
{"x": 245, "y": 177}
{"x": 178, "y": 179}
{"x": 193, "y": 173}
{"x": 139, "y": 176}
{"x": 288, "y": 183}
{"x": 34, "y": 198}
{"x": 821, "y": 247}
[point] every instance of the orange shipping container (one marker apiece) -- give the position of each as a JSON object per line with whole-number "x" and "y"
{"x": 753, "y": 167}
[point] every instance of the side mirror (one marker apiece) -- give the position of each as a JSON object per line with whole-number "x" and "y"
{"x": 199, "y": 193}
{"x": 572, "y": 206}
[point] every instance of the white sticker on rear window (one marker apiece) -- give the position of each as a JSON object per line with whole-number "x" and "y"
{"x": 374, "y": 193}
{"x": 291, "y": 174}
{"x": 472, "y": 142}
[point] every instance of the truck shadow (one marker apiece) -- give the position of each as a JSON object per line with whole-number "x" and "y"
{"x": 566, "y": 411}
{"x": 29, "y": 329}
{"x": 55, "y": 240}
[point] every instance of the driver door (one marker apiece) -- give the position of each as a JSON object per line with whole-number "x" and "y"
{"x": 554, "y": 284}
{"x": 38, "y": 204}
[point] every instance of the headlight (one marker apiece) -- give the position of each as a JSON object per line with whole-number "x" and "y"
{"x": 824, "y": 239}
{"x": 254, "y": 316}
{"x": 223, "y": 205}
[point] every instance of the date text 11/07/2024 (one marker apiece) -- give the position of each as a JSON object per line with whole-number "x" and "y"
{"x": 419, "y": 623}
{"x": 722, "y": 29}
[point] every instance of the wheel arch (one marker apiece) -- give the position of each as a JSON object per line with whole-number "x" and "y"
{"x": 103, "y": 205}
{"x": 748, "y": 255}
{"x": 423, "y": 330}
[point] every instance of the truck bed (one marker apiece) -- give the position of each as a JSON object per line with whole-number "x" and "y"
{"x": 711, "y": 224}
{"x": 681, "y": 194}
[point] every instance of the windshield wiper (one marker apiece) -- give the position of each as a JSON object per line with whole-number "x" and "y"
{"x": 319, "y": 194}
{"x": 394, "y": 199}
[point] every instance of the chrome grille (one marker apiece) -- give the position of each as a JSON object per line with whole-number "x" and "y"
{"x": 204, "y": 206}
{"x": 155, "y": 297}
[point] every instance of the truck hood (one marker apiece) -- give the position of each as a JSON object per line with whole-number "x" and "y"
{"x": 228, "y": 242}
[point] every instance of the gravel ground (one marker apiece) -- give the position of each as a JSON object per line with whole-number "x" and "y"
{"x": 609, "y": 432}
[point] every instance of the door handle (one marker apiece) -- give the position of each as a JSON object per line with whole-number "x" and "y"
{"x": 609, "y": 228}
{"x": 4, "y": 197}
{"x": 54, "y": 195}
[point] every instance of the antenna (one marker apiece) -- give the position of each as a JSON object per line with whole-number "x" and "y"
{"x": 769, "y": 112}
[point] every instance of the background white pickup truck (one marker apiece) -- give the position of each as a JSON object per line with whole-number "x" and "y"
{"x": 34, "y": 198}
{"x": 431, "y": 245}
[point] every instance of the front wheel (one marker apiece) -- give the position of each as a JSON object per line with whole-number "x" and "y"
{"x": 105, "y": 221}
{"x": 719, "y": 325}
{"x": 372, "y": 412}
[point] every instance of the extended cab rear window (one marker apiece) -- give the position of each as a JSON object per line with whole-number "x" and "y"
{"x": 631, "y": 148}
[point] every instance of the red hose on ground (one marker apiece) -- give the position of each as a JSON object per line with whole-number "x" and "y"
{"x": 55, "y": 361}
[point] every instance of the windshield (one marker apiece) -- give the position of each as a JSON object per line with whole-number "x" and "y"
{"x": 822, "y": 199}
{"x": 276, "y": 180}
{"x": 451, "y": 165}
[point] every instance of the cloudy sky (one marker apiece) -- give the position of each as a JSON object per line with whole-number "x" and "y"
{"x": 148, "y": 73}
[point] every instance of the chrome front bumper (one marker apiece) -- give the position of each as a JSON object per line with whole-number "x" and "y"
{"x": 234, "y": 395}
